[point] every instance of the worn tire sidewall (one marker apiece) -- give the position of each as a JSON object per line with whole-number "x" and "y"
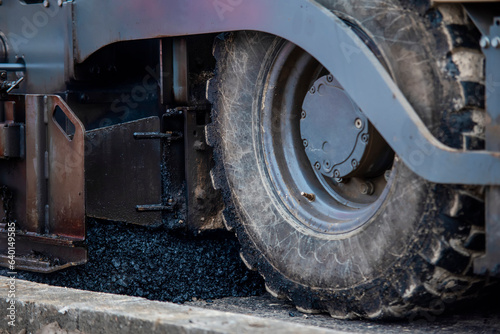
{"x": 391, "y": 237}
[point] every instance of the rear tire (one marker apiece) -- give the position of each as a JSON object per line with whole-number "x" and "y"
{"x": 411, "y": 256}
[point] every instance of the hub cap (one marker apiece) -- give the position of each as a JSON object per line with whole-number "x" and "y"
{"x": 334, "y": 130}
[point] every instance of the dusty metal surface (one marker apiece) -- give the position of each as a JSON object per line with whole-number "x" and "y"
{"x": 204, "y": 202}
{"x": 40, "y": 36}
{"x": 482, "y": 14}
{"x": 48, "y": 193}
{"x": 180, "y": 71}
{"x": 11, "y": 131}
{"x": 66, "y": 172}
{"x": 490, "y": 262}
{"x": 12, "y": 141}
{"x": 123, "y": 172}
{"x": 43, "y": 254}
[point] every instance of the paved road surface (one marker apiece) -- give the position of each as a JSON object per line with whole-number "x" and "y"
{"x": 482, "y": 318}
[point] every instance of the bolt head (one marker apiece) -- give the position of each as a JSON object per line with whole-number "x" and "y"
{"x": 46, "y": 3}
{"x": 317, "y": 165}
{"x": 365, "y": 138}
{"x": 3, "y": 75}
{"x": 367, "y": 188}
{"x": 358, "y": 123}
{"x": 484, "y": 42}
{"x": 303, "y": 114}
{"x": 312, "y": 90}
{"x": 495, "y": 42}
{"x": 305, "y": 142}
{"x": 387, "y": 175}
{"x": 329, "y": 78}
{"x": 354, "y": 163}
{"x": 336, "y": 173}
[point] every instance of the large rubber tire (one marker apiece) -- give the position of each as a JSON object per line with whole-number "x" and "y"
{"x": 414, "y": 256}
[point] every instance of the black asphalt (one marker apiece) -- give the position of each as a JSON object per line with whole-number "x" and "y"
{"x": 158, "y": 265}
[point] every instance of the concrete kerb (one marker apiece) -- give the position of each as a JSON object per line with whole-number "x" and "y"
{"x": 42, "y": 308}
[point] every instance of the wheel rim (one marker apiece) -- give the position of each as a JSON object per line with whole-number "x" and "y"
{"x": 323, "y": 204}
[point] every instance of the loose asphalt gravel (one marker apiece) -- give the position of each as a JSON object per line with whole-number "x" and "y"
{"x": 158, "y": 265}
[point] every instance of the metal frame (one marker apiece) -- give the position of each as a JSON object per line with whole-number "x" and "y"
{"x": 334, "y": 45}
{"x": 51, "y": 208}
{"x": 89, "y": 25}
{"x": 490, "y": 44}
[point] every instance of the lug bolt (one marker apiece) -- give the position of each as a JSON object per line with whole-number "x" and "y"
{"x": 495, "y": 42}
{"x": 317, "y": 165}
{"x": 312, "y": 90}
{"x": 367, "y": 188}
{"x": 329, "y": 78}
{"x": 303, "y": 114}
{"x": 336, "y": 173}
{"x": 358, "y": 123}
{"x": 387, "y": 175}
{"x": 310, "y": 197}
{"x": 485, "y": 42}
{"x": 365, "y": 138}
{"x": 354, "y": 163}
{"x": 305, "y": 142}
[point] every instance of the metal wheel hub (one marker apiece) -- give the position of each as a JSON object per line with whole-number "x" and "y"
{"x": 307, "y": 119}
{"x": 334, "y": 131}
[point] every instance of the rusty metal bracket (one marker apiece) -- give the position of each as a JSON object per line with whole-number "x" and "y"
{"x": 11, "y": 132}
{"x": 48, "y": 187}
